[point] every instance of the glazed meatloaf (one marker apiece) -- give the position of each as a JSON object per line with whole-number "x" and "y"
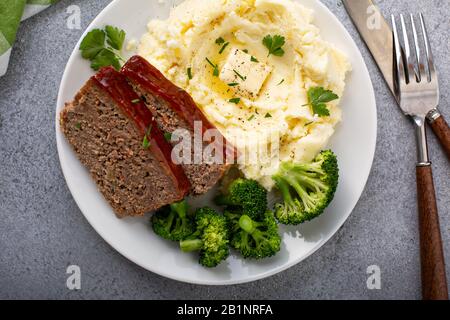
{"x": 174, "y": 109}
{"x": 115, "y": 137}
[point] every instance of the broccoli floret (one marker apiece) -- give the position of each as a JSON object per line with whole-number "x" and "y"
{"x": 307, "y": 188}
{"x": 210, "y": 238}
{"x": 246, "y": 196}
{"x": 254, "y": 239}
{"x": 173, "y": 222}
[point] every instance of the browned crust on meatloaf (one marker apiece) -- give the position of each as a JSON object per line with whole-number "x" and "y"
{"x": 131, "y": 179}
{"x": 202, "y": 176}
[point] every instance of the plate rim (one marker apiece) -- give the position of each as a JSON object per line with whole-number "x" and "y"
{"x": 263, "y": 275}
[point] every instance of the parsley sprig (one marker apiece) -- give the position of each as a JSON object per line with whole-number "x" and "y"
{"x": 102, "y": 47}
{"x": 318, "y": 97}
{"x": 274, "y": 45}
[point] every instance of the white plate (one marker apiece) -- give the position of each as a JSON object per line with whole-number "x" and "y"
{"x": 354, "y": 143}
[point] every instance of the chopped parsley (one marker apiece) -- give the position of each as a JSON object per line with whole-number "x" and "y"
{"x": 135, "y": 101}
{"x": 251, "y": 118}
{"x": 189, "y": 73}
{"x": 225, "y": 45}
{"x": 253, "y": 59}
{"x": 233, "y": 84}
{"x": 220, "y": 41}
{"x": 168, "y": 136}
{"x": 239, "y": 75}
{"x": 215, "y": 67}
{"x": 317, "y": 99}
{"x": 274, "y": 45}
{"x": 102, "y": 47}
{"x": 235, "y": 100}
{"x": 280, "y": 82}
{"x": 146, "y": 140}
{"x": 245, "y": 50}
{"x": 78, "y": 125}
{"x": 268, "y": 115}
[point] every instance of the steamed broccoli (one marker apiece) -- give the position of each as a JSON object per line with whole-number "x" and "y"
{"x": 254, "y": 239}
{"x": 246, "y": 196}
{"x": 210, "y": 238}
{"x": 307, "y": 188}
{"x": 173, "y": 222}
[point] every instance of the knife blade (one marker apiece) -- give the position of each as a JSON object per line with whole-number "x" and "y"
{"x": 376, "y": 33}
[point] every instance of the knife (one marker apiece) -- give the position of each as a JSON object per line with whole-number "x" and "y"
{"x": 377, "y": 34}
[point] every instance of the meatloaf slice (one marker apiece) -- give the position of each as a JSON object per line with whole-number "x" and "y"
{"x": 174, "y": 109}
{"x": 106, "y": 125}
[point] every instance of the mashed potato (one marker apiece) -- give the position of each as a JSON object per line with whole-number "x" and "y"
{"x": 273, "y": 125}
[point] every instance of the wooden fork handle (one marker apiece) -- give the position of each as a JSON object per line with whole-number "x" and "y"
{"x": 442, "y": 131}
{"x": 434, "y": 281}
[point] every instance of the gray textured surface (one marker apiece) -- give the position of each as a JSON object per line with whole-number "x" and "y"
{"x": 42, "y": 230}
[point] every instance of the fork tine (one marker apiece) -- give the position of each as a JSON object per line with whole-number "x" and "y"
{"x": 409, "y": 59}
{"x": 421, "y": 67}
{"x": 400, "y": 69}
{"x": 429, "y": 54}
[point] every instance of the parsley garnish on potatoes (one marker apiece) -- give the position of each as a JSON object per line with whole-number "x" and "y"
{"x": 274, "y": 45}
{"x": 317, "y": 99}
{"x": 102, "y": 47}
{"x": 215, "y": 67}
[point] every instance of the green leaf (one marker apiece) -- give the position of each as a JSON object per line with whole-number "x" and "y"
{"x": 105, "y": 58}
{"x": 145, "y": 142}
{"x": 101, "y": 54}
{"x": 320, "y": 95}
{"x": 116, "y": 37}
{"x": 274, "y": 45}
{"x": 317, "y": 99}
{"x": 92, "y": 44}
{"x": 321, "y": 110}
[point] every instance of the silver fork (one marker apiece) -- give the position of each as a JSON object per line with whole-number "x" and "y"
{"x": 417, "y": 90}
